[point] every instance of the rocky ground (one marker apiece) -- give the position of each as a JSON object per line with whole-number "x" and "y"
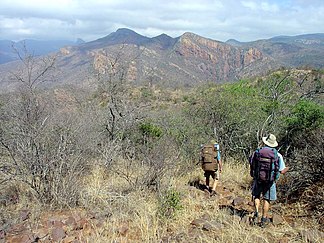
{"x": 228, "y": 220}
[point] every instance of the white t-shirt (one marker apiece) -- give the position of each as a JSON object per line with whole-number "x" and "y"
{"x": 282, "y": 165}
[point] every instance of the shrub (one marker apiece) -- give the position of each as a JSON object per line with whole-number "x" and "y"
{"x": 169, "y": 204}
{"x": 306, "y": 115}
{"x": 150, "y": 130}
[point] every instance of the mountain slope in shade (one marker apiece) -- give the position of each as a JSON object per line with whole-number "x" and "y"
{"x": 186, "y": 60}
{"x": 293, "y": 51}
{"x": 38, "y": 48}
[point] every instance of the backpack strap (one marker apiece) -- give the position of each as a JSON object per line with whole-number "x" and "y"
{"x": 276, "y": 169}
{"x": 254, "y": 169}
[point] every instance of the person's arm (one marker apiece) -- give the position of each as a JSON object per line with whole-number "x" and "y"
{"x": 284, "y": 170}
{"x": 282, "y": 167}
{"x": 220, "y": 165}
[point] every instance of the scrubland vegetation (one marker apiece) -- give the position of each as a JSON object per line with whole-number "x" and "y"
{"x": 129, "y": 152}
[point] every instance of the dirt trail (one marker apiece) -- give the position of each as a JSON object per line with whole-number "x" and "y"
{"x": 79, "y": 225}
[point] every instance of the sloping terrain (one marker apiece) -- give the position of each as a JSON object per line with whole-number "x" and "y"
{"x": 294, "y": 51}
{"x": 133, "y": 217}
{"x": 187, "y": 60}
{"x": 36, "y": 47}
{"x": 183, "y": 61}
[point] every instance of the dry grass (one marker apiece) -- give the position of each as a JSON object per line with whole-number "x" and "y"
{"x": 138, "y": 211}
{"x": 134, "y": 215}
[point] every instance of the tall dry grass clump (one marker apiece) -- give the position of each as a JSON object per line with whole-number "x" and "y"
{"x": 180, "y": 212}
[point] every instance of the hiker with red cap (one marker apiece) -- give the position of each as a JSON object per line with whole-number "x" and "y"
{"x": 266, "y": 165}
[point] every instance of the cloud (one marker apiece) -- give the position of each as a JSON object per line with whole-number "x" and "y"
{"x": 217, "y": 19}
{"x": 261, "y": 7}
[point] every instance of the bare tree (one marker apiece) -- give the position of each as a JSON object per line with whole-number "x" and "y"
{"x": 37, "y": 150}
{"x": 111, "y": 70}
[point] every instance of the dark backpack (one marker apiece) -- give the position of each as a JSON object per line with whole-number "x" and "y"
{"x": 264, "y": 165}
{"x": 209, "y": 157}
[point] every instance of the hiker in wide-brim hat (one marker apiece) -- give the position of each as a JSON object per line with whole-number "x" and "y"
{"x": 270, "y": 140}
{"x": 266, "y": 165}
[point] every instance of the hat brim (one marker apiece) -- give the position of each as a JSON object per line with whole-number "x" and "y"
{"x": 273, "y": 145}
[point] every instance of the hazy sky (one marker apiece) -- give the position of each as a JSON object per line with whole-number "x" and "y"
{"x": 243, "y": 20}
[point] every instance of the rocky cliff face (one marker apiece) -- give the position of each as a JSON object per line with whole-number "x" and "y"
{"x": 185, "y": 60}
{"x": 252, "y": 55}
{"x": 214, "y": 60}
{"x": 217, "y": 52}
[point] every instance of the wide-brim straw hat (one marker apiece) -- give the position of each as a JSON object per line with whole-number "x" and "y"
{"x": 213, "y": 141}
{"x": 270, "y": 140}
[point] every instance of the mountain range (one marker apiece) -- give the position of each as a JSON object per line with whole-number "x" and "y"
{"x": 36, "y": 47}
{"x": 185, "y": 60}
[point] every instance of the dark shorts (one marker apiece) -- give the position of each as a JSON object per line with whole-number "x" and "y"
{"x": 213, "y": 174}
{"x": 267, "y": 190}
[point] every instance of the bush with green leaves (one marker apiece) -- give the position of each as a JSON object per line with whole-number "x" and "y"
{"x": 169, "y": 204}
{"x": 305, "y": 116}
{"x": 303, "y": 146}
{"x": 231, "y": 113}
{"x": 150, "y": 130}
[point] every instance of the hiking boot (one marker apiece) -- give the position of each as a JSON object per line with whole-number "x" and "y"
{"x": 207, "y": 193}
{"x": 255, "y": 217}
{"x": 254, "y": 220}
{"x": 264, "y": 222}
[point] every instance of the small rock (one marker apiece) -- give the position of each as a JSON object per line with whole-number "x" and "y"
{"x": 217, "y": 225}
{"x": 180, "y": 237}
{"x": 277, "y": 219}
{"x": 230, "y": 198}
{"x": 41, "y": 233}
{"x": 58, "y": 234}
{"x": 24, "y": 214}
{"x": 100, "y": 223}
{"x": 238, "y": 201}
{"x": 123, "y": 230}
{"x": 55, "y": 223}
{"x": 165, "y": 239}
{"x": 17, "y": 228}
{"x": 69, "y": 239}
{"x": 198, "y": 222}
{"x": 207, "y": 226}
{"x": 80, "y": 224}
{"x": 22, "y": 239}
{"x": 293, "y": 224}
{"x": 192, "y": 232}
{"x": 245, "y": 220}
{"x": 70, "y": 221}
{"x": 205, "y": 216}
{"x": 2, "y": 234}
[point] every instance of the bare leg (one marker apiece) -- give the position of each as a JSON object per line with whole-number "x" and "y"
{"x": 257, "y": 204}
{"x": 266, "y": 206}
{"x": 215, "y": 184}
{"x": 207, "y": 182}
